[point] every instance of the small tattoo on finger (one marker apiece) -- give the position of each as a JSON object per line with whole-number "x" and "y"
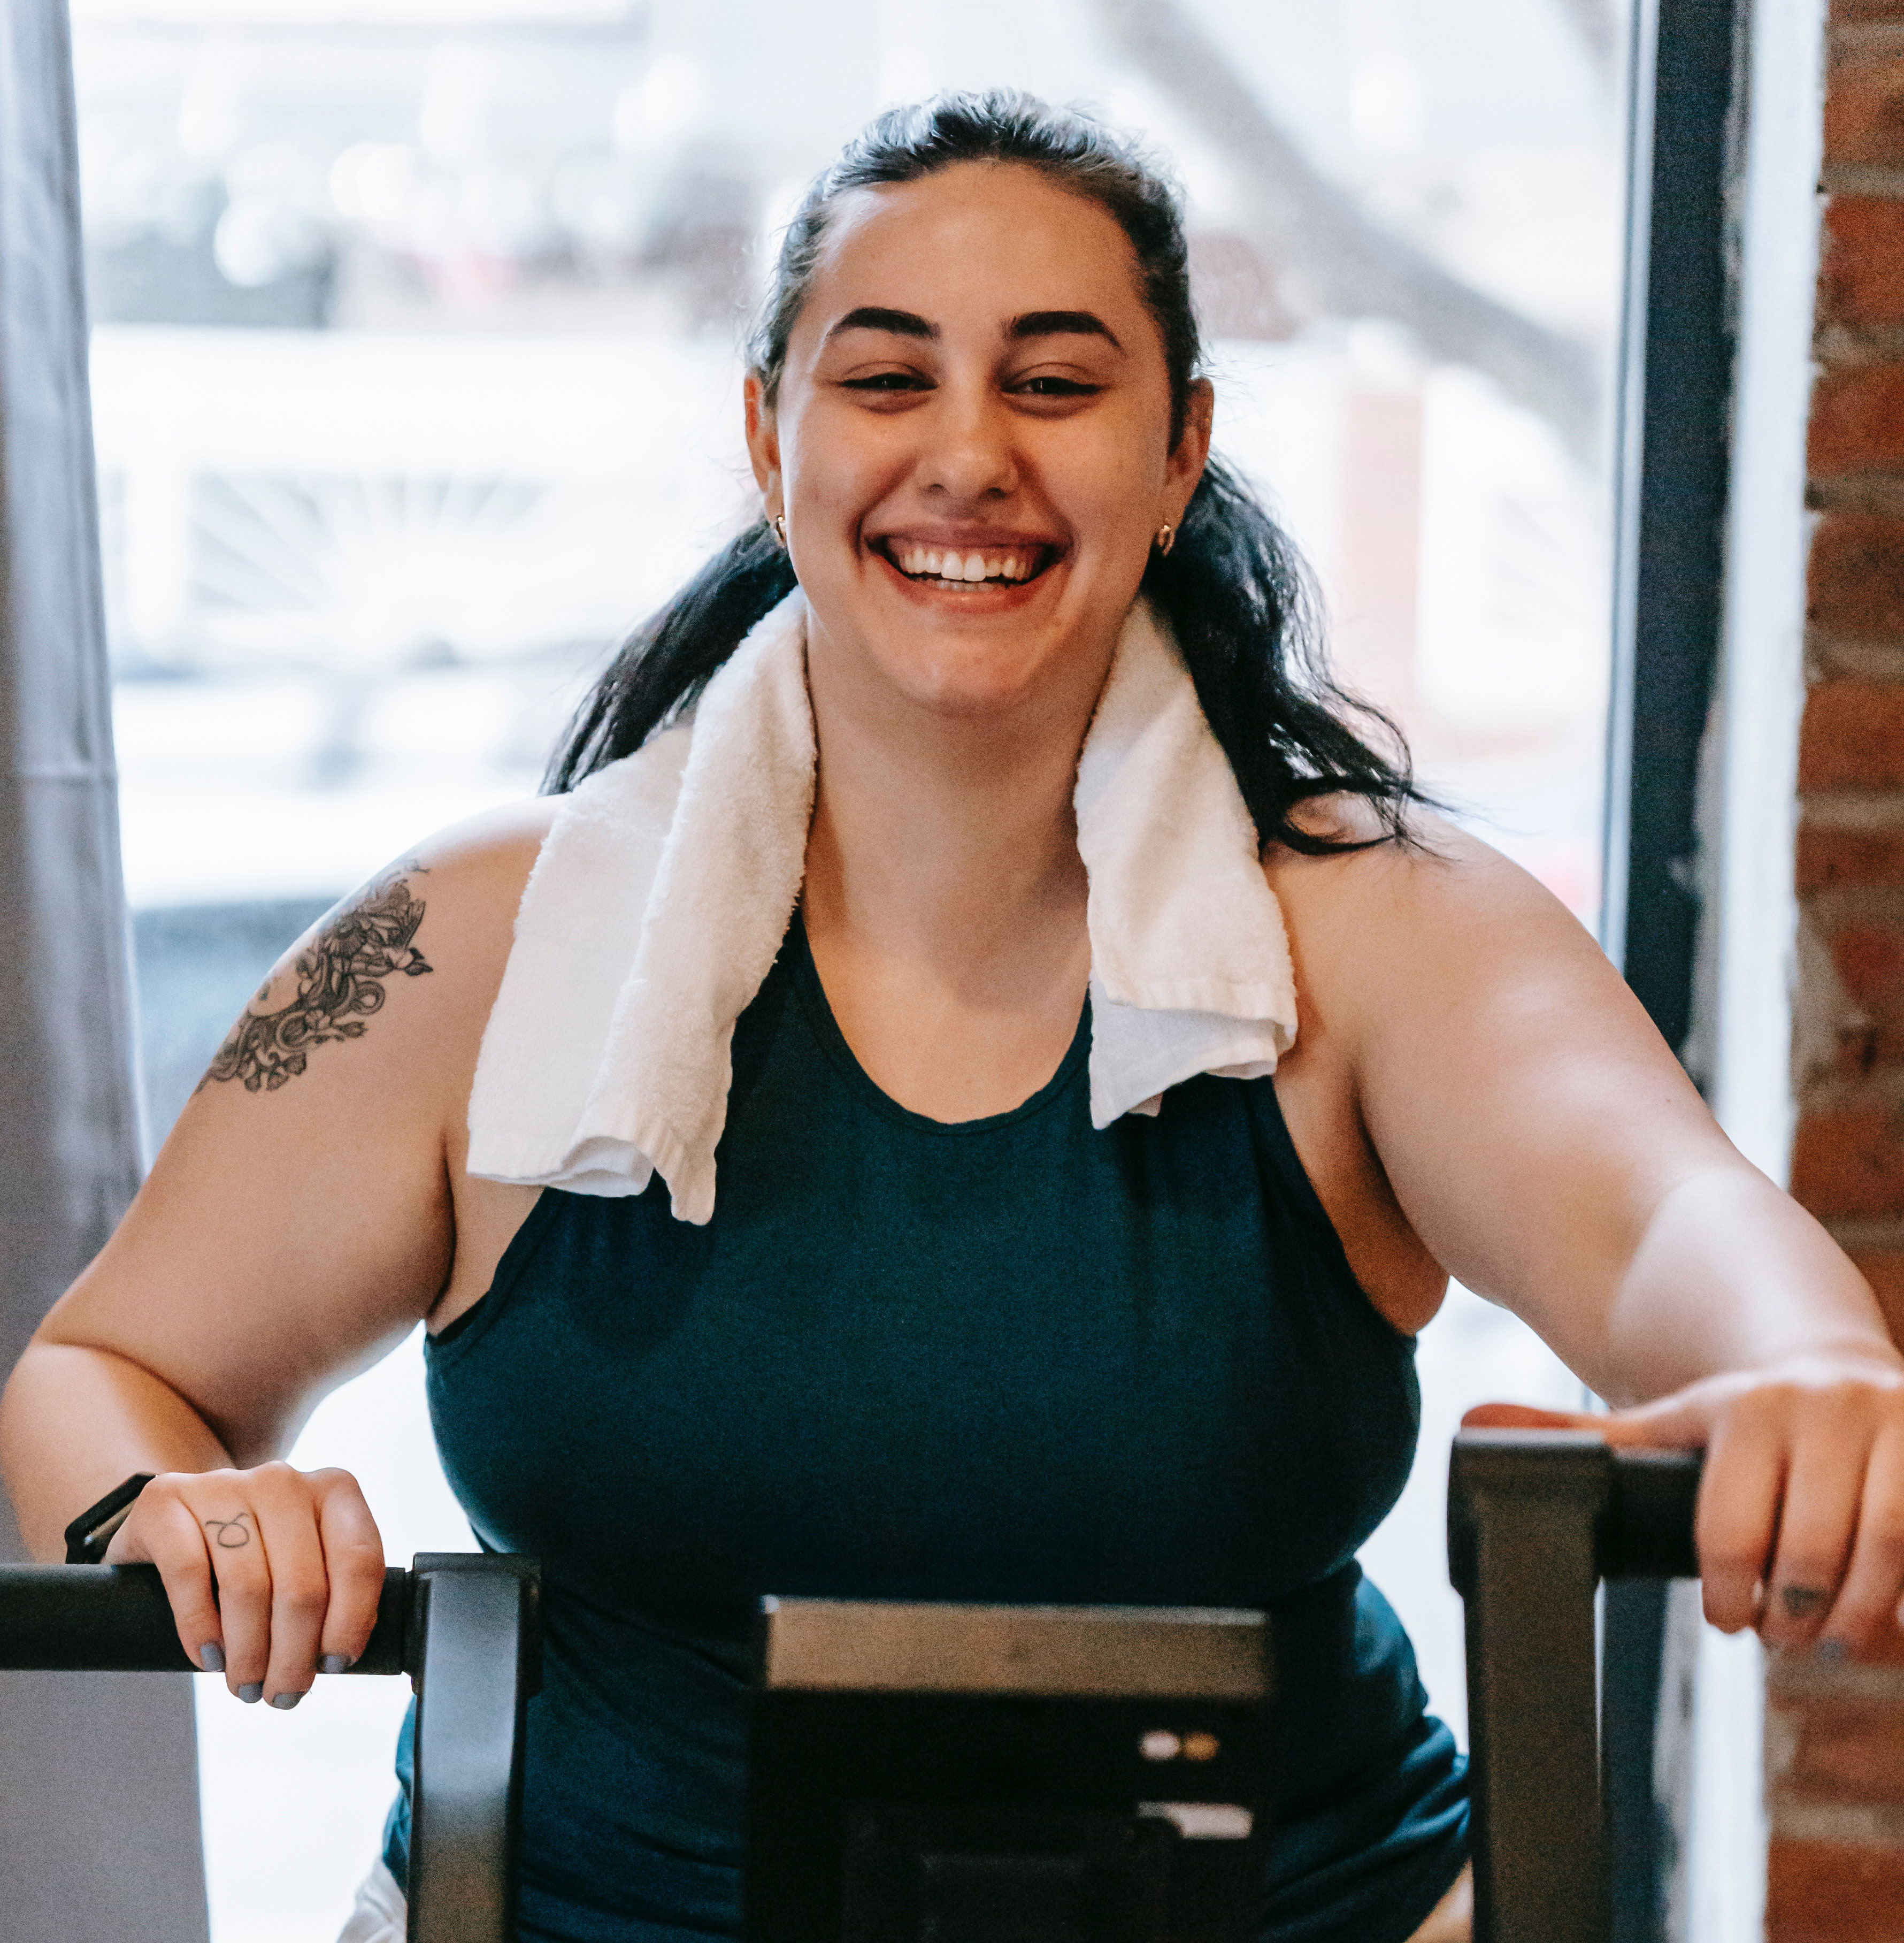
{"x": 227, "y": 1534}
{"x": 1801, "y": 1601}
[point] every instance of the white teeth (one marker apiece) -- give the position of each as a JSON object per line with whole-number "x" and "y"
{"x": 970, "y": 569}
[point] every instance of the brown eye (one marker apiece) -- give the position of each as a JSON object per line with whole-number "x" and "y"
{"x": 1058, "y": 387}
{"x": 887, "y": 381}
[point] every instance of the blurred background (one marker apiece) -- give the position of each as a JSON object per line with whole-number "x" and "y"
{"x": 416, "y": 384}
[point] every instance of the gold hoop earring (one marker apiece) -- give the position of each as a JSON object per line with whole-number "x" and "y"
{"x": 780, "y": 531}
{"x": 1166, "y": 538}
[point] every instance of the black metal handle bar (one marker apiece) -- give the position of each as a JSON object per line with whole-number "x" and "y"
{"x": 1536, "y": 1518}
{"x": 465, "y": 1627}
{"x": 116, "y": 1619}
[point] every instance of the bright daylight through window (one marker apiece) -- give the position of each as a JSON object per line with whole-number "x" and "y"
{"x": 415, "y": 383}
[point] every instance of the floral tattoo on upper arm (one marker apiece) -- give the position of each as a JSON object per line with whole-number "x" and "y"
{"x": 340, "y": 983}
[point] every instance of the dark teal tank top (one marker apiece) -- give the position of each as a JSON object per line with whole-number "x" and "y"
{"x": 1012, "y": 1359}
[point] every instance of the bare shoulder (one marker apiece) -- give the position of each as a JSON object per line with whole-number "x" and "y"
{"x": 1440, "y": 939}
{"x": 1394, "y": 920}
{"x": 1436, "y": 968}
{"x": 414, "y": 957}
{"x": 471, "y": 874}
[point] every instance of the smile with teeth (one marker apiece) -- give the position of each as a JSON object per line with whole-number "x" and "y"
{"x": 949, "y": 566}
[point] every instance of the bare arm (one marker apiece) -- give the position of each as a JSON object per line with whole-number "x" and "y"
{"x": 1545, "y": 1142}
{"x": 297, "y": 1223}
{"x": 1545, "y": 1145}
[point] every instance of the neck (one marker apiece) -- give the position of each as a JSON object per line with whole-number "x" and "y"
{"x": 946, "y": 839}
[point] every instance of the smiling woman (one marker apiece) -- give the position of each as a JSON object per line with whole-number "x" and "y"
{"x": 966, "y": 1092}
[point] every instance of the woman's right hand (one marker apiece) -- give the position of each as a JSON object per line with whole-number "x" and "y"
{"x": 274, "y": 1574}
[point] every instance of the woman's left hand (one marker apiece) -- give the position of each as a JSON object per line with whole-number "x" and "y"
{"x": 1801, "y": 1524}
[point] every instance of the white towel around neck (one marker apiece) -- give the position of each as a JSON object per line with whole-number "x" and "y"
{"x": 667, "y": 881}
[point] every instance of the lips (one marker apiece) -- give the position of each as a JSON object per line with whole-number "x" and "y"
{"x": 1007, "y": 564}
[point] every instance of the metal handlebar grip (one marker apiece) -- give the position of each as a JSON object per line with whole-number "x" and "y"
{"x": 466, "y": 1628}
{"x": 116, "y": 1619}
{"x": 1536, "y": 1519}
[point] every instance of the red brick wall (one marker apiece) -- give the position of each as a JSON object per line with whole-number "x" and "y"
{"x": 1848, "y": 1161}
{"x": 1834, "y": 1735}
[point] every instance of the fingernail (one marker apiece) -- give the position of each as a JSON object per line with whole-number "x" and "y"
{"x": 335, "y": 1662}
{"x": 285, "y": 1701}
{"x": 253, "y": 1691}
{"x": 1830, "y": 1649}
{"x": 211, "y": 1657}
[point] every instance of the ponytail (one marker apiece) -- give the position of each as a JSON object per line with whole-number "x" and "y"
{"x": 673, "y": 655}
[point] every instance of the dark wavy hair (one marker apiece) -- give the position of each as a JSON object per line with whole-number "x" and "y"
{"x": 1233, "y": 590}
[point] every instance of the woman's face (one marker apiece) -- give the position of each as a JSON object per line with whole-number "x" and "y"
{"x": 971, "y": 443}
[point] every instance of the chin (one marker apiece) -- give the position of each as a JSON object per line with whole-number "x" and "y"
{"x": 973, "y": 665}
{"x": 971, "y": 681}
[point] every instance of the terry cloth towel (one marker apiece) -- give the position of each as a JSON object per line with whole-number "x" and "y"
{"x": 667, "y": 881}
{"x": 380, "y": 1914}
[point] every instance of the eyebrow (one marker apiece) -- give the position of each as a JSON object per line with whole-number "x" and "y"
{"x": 873, "y": 317}
{"x": 1060, "y": 323}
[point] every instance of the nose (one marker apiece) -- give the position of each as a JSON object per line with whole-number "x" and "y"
{"x": 968, "y": 451}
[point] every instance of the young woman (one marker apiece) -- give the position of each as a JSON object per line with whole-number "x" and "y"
{"x": 1072, "y": 1063}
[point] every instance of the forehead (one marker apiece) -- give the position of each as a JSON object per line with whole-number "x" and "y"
{"x": 977, "y": 243}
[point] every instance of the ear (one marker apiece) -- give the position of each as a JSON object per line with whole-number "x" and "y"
{"x": 763, "y": 444}
{"x": 1185, "y": 465}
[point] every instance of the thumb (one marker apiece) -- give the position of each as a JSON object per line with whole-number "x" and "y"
{"x": 1673, "y": 1423}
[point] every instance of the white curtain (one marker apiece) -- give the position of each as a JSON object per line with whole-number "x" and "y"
{"x": 99, "y": 1811}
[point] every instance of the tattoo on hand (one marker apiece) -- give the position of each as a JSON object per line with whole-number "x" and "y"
{"x": 339, "y": 983}
{"x": 1801, "y": 1601}
{"x": 229, "y": 1533}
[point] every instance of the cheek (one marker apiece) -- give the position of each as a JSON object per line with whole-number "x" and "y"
{"x": 1105, "y": 484}
{"x": 839, "y": 466}
{"x": 1111, "y": 507}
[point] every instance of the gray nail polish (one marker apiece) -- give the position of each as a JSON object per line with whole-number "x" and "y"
{"x": 252, "y": 1690}
{"x": 211, "y": 1657}
{"x": 284, "y": 1702}
{"x": 335, "y": 1662}
{"x": 1830, "y": 1649}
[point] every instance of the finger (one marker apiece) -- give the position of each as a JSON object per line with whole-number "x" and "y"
{"x": 163, "y": 1531}
{"x": 1682, "y": 1422}
{"x": 1525, "y": 1417}
{"x": 1675, "y": 1423}
{"x": 300, "y": 1584}
{"x": 1824, "y": 1482}
{"x": 353, "y": 1559}
{"x": 1737, "y": 1519}
{"x": 220, "y": 1501}
{"x": 1868, "y": 1600}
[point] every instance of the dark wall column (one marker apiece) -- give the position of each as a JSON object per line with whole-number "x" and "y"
{"x": 99, "y": 1810}
{"x": 1673, "y": 479}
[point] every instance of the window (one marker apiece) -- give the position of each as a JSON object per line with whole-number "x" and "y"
{"x": 415, "y": 383}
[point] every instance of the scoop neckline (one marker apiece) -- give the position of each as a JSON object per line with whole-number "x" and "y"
{"x": 819, "y": 1012}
